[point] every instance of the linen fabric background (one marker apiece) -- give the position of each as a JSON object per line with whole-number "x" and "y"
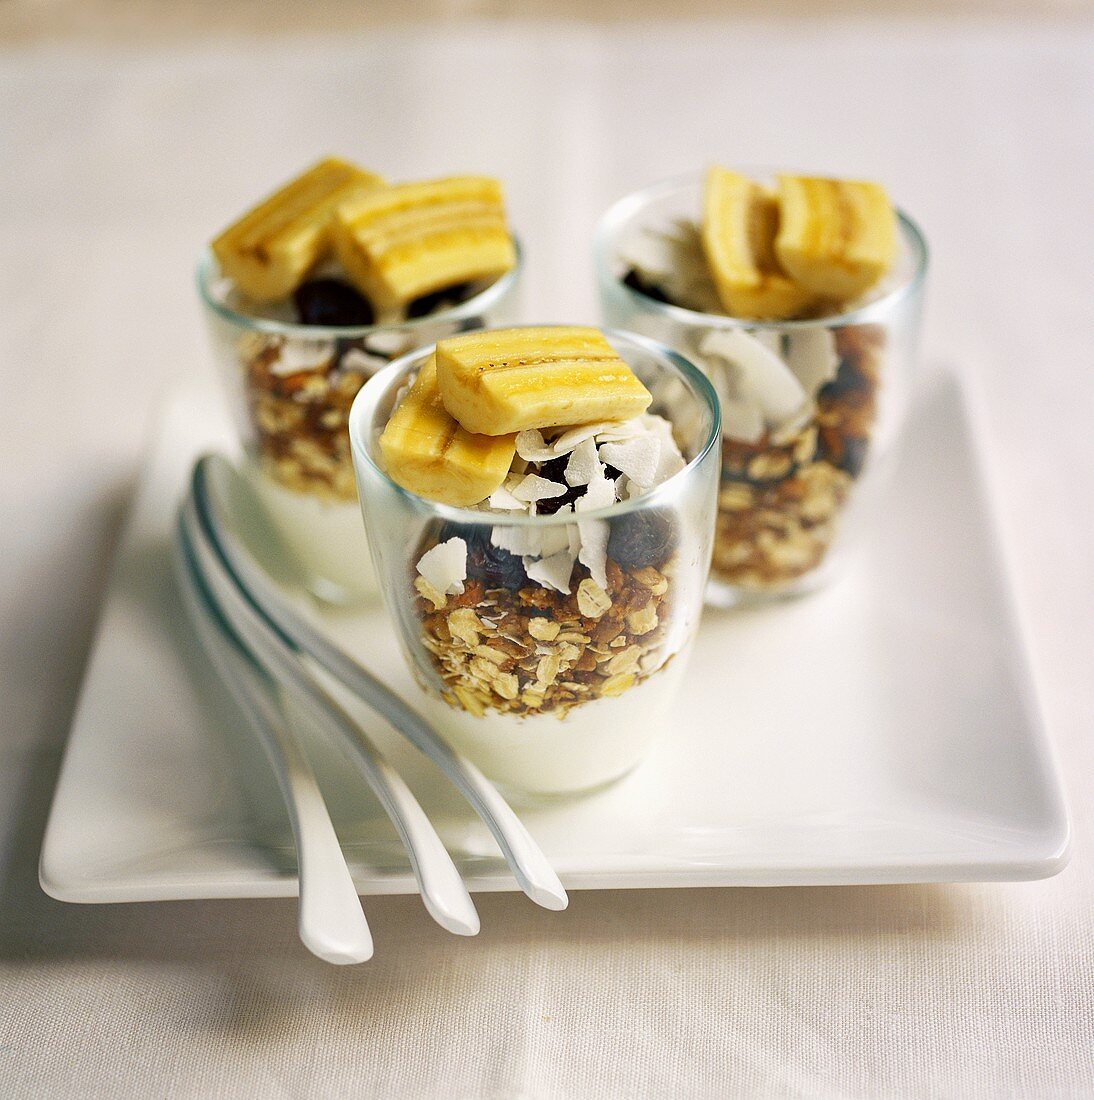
{"x": 120, "y": 162}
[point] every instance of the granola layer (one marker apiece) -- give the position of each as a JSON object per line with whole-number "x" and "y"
{"x": 779, "y": 502}
{"x": 532, "y": 650}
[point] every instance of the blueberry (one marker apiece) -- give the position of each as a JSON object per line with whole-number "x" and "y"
{"x": 651, "y": 290}
{"x": 555, "y": 470}
{"x": 638, "y": 539}
{"x": 331, "y": 302}
{"x": 492, "y": 565}
{"x": 854, "y": 454}
{"x": 445, "y": 298}
{"x": 847, "y": 381}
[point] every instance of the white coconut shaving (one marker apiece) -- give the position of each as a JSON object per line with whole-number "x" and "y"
{"x": 669, "y": 464}
{"x": 584, "y": 465}
{"x": 503, "y": 500}
{"x": 811, "y": 354}
{"x": 221, "y": 289}
{"x": 671, "y": 257}
{"x": 571, "y": 438}
{"x": 361, "y": 362}
{"x": 532, "y": 487}
{"x": 302, "y": 355}
{"x": 644, "y": 451}
{"x": 553, "y": 571}
{"x": 532, "y": 540}
{"x": 593, "y": 554}
{"x": 445, "y": 566}
{"x": 390, "y": 344}
{"x": 742, "y": 421}
{"x": 532, "y": 447}
{"x": 747, "y": 372}
{"x": 601, "y": 493}
{"x": 636, "y": 458}
{"x": 594, "y": 549}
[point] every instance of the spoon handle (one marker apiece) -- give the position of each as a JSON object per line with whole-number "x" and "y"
{"x": 534, "y": 874}
{"x": 332, "y": 924}
{"x": 439, "y": 882}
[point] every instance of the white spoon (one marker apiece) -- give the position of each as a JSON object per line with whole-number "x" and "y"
{"x": 235, "y": 522}
{"x": 331, "y": 922}
{"x": 439, "y": 882}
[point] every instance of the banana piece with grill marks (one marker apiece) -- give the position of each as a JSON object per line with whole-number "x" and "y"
{"x": 271, "y": 249}
{"x": 416, "y": 238}
{"x": 429, "y": 453}
{"x": 515, "y": 379}
{"x": 836, "y": 238}
{"x": 739, "y": 226}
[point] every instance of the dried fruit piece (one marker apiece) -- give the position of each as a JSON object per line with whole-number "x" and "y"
{"x": 331, "y": 302}
{"x": 836, "y": 238}
{"x": 495, "y": 566}
{"x": 634, "y": 280}
{"x": 445, "y": 298}
{"x": 426, "y": 451}
{"x": 740, "y": 222}
{"x": 523, "y": 378}
{"x": 405, "y": 242}
{"x": 643, "y": 538}
{"x": 270, "y": 250}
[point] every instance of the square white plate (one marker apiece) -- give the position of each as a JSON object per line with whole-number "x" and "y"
{"x": 884, "y": 730}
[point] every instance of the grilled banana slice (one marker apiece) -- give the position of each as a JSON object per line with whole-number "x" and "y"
{"x": 412, "y": 239}
{"x": 740, "y": 221}
{"x": 514, "y": 379}
{"x": 270, "y": 250}
{"x": 836, "y": 237}
{"x": 426, "y": 451}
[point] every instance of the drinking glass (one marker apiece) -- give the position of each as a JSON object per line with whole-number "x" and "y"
{"x": 810, "y": 408}
{"x": 550, "y": 691}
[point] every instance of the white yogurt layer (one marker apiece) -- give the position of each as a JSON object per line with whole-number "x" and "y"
{"x": 593, "y": 744}
{"x": 327, "y": 539}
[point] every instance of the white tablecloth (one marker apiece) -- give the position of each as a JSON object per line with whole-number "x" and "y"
{"x": 118, "y": 164}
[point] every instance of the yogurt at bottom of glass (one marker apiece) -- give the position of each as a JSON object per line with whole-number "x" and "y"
{"x": 326, "y": 538}
{"x": 593, "y": 744}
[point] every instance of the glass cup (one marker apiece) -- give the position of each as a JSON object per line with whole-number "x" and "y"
{"x": 547, "y": 691}
{"x": 810, "y": 408}
{"x": 290, "y": 387}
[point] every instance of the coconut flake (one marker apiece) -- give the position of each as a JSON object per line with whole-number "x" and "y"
{"x": 390, "y": 344}
{"x": 671, "y": 257}
{"x": 622, "y": 429}
{"x": 553, "y": 571}
{"x": 742, "y": 421}
{"x": 813, "y": 358}
{"x": 669, "y": 464}
{"x": 302, "y": 355}
{"x": 584, "y": 466}
{"x": 573, "y": 532}
{"x": 532, "y": 540}
{"x": 445, "y": 566}
{"x": 221, "y": 289}
{"x": 637, "y": 458}
{"x": 532, "y": 448}
{"x": 600, "y": 494}
{"x": 361, "y": 362}
{"x": 755, "y": 375}
{"x": 533, "y": 487}
{"x": 594, "y": 548}
{"x": 570, "y": 438}
{"x": 503, "y": 500}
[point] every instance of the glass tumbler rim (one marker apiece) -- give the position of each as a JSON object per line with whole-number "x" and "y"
{"x": 621, "y": 211}
{"x": 207, "y": 268}
{"x": 364, "y": 406}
